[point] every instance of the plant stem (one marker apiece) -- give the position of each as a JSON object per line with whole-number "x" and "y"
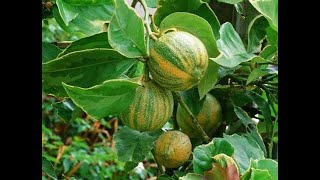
{"x": 134, "y": 3}
{"x": 154, "y": 27}
{"x": 174, "y": 114}
{"x": 146, "y": 20}
{"x": 272, "y": 135}
{"x": 158, "y": 164}
{"x": 194, "y": 120}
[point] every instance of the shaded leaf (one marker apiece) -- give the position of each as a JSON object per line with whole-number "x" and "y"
{"x": 272, "y": 37}
{"x": 67, "y": 110}
{"x": 109, "y": 98}
{"x": 256, "y": 33}
{"x": 268, "y": 52}
{"x": 192, "y": 99}
{"x": 49, "y": 52}
{"x": 95, "y": 41}
{"x": 84, "y": 68}
{"x": 208, "y": 14}
{"x": 209, "y": 79}
{"x": 48, "y": 168}
{"x": 244, "y": 150}
{"x": 87, "y": 17}
{"x": 133, "y": 145}
{"x": 202, "y": 155}
{"x": 167, "y": 7}
{"x": 194, "y": 25}
{"x": 128, "y": 166}
{"x": 257, "y": 73}
{"x": 126, "y": 31}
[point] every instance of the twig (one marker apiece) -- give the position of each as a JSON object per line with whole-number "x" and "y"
{"x": 146, "y": 21}
{"x": 74, "y": 169}
{"x": 146, "y": 77}
{"x": 174, "y": 114}
{"x": 194, "y": 120}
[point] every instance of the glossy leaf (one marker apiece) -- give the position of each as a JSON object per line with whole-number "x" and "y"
{"x": 257, "y": 33}
{"x": 192, "y": 99}
{"x": 192, "y": 176}
{"x": 257, "y": 73}
{"x": 49, "y": 52}
{"x": 84, "y": 68}
{"x": 87, "y": 17}
{"x": 244, "y": 150}
{"x": 231, "y": 48}
{"x": 230, "y": 1}
{"x": 133, "y": 145}
{"x": 195, "y": 25}
{"x": 126, "y": 31}
{"x": 202, "y": 155}
{"x": 95, "y": 41}
{"x": 109, "y": 98}
{"x": 208, "y": 14}
{"x": 167, "y": 7}
{"x": 209, "y": 79}
{"x": 48, "y": 168}
{"x": 269, "y": 8}
{"x": 252, "y": 131}
{"x": 67, "y": 110}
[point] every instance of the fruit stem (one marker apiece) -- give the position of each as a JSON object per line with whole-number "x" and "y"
{"x": 158, "y": 164}
{"x": 146, "y": 77}
{"x": 194, "y": 120}
{"x": 146, "y": 21}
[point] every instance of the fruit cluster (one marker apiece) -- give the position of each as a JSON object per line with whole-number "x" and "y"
{"x": 178, "y": 60}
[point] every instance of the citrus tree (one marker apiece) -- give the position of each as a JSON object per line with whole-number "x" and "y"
{"x": 193, "y": 83}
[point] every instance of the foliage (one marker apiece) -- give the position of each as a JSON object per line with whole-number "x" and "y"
{"x": 95, "y": 55}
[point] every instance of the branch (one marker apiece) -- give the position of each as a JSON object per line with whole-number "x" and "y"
{"x": 146, "y": 21}
{"x": 194, "y": 120}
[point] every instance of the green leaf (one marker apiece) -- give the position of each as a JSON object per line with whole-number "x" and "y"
{"x": 230, "y": 1}
{"x": 269, "y": 8}
{"x": 67, "y": 110}
{"x": 192, "y": 176}
{"x": 126, "y": 31}
{"x": 208, "y": 14}
{"x": 209, "y": 79}
{"x": 202, "y": 155}
{"x": 95, "y": 41}
{"x": 256, "y": 73}
{"x": 231, "y": 48}
{"x": 252, "y": 131}
{"x": 268, "y": 52}
{"x": 133, "y": 145}
{"x": 194, "y": 25}
{"x": 165, "y": 177}
{"x": 48, "y": 168}
{"x": 192, "y": 100}
{"x": 272, "y": 37}
{"x": 151, "y": 3}
{"x": 87, "y": 17}
{"x": 258, "y": 174}
{"x": 49, "y": 52}
{"x": 267, "y": 164}
{"x": 167, "y": 7}
{"x": 256, "y": 33}
{"x": 109, "y": 98}
{"x": 244, "y": 150}
{"x": 130, "y": 165}
{"x": 84, "y": 68}
{"x": 223, "y": 167}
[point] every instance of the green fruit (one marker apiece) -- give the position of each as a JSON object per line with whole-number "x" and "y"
{"x": 178, "y": 61}
{"x": 209, "y": 117}
{"x": 172, "y": 149}
{"x": 151, "y": 108}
